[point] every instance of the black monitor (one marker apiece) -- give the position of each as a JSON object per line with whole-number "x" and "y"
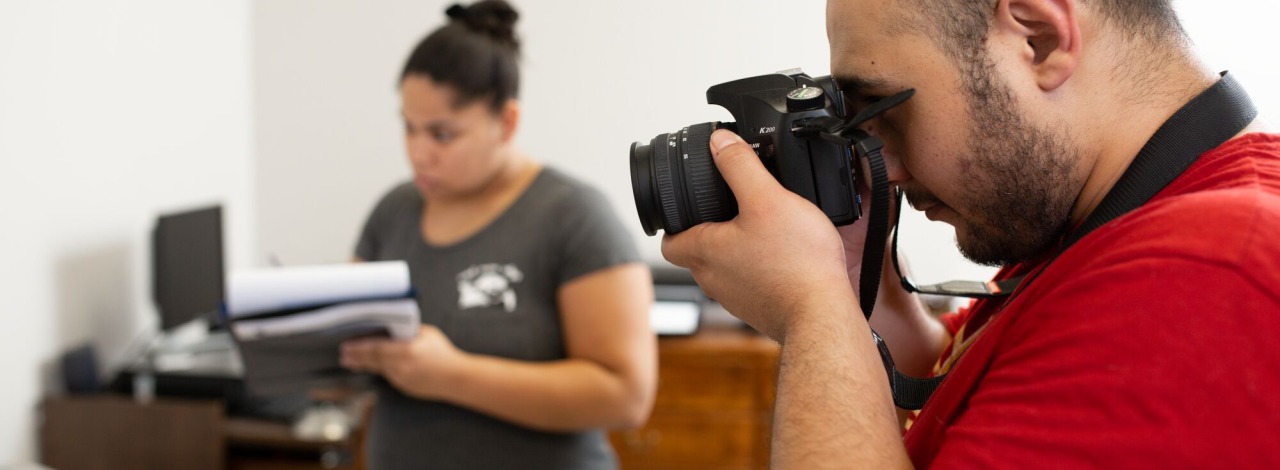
{"x": 187, "y": 266}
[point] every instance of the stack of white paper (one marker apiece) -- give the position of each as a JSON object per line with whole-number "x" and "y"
{"x": 289, "y": 323}
{"x": 258, "y": 291}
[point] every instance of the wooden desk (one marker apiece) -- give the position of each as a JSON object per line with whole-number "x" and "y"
{"x": 713, "y": 410}
{"x": 107, "y": 432}
{"x": 714, "y": 407}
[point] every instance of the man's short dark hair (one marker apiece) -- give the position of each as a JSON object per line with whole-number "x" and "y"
{"x": 964, "y": 24}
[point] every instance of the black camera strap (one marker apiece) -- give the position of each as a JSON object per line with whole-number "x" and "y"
{"x": 1206, "y": 122}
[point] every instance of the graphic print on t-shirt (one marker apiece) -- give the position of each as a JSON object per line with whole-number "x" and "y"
{"x": 487, "y": 285}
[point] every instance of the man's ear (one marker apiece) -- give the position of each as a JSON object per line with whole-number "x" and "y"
{"x": 1051, "y": 32}
{"x": 510, "y": 120}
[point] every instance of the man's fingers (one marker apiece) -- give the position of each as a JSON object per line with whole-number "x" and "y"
{"x": 751, "y": 184}
{"x": 741, "y": 168}
{"x": 680, "y": 250}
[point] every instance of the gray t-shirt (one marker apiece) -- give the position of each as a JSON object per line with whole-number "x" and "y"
{"x": 494, "y": 294}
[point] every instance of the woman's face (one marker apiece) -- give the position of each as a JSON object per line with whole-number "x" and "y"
{"x": 454, "y": 150}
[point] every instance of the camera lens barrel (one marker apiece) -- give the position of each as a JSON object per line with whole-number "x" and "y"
{"x": 676, "y": 183}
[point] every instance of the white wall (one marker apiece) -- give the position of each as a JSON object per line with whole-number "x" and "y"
{"x": 110, "y": 112}
{"x": 598, "y": 76}
{"x": 1240, "y": 36}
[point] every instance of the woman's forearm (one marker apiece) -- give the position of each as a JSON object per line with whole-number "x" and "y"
{"x": 564, "y": 395}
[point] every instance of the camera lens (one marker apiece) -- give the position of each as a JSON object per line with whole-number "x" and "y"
{"x": 676, "y": 184}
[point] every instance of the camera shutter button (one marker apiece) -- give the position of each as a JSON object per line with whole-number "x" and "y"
{"x": 806, "y": 99}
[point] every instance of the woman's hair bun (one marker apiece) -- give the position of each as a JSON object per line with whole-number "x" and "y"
{"x": 493, "y": 18}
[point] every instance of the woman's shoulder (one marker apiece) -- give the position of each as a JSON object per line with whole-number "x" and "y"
{"x": 555, "y": 178}
{"x": 403, "y": 191}
{"x": 564, "y": 190}
{"x": 589, "y": 232}
{"x": 400, "y": 198}
{"x": 572, "y": 199}
{"x": 401, "y": 194}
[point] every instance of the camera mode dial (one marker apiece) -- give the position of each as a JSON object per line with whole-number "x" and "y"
{"x": 806, "y": 99}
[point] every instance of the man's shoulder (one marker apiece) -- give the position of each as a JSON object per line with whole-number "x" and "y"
{"x": 1221, "y": 209}
{"x": 1221, "y": 224}
{"x": 1212, "y": 230}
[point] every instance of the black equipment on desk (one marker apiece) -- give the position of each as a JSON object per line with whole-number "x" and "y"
{"x": 188, "y": 283}
{"x": 206, "y": 369}
{"x": 187, "y": 266}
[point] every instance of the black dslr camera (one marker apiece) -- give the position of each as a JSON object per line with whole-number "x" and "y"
{"x": 793, "y": 122}
{"x": 799, "y": 128}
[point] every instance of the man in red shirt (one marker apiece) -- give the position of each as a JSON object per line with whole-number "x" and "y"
{"x": 1145, "y": 344}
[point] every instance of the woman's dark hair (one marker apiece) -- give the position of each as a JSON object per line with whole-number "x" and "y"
{"x": 476, "y": 53}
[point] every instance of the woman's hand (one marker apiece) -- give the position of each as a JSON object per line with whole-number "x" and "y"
{"x": 420, "y": 366}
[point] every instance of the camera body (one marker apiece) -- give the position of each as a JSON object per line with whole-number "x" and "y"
{"x": 677, "y": 185}
{"x": 769, "y": 110}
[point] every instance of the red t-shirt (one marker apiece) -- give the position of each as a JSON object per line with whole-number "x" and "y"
{"x": 1154, "y": 342}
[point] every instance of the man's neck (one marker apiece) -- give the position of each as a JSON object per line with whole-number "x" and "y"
{"x": 1131, "y": 124}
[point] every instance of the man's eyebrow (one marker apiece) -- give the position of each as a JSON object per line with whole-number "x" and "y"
{"x": 858, "y": 84}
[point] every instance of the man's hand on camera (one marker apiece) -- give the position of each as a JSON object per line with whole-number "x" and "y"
{"x": 854, "y": 237}
{"x": 777, "y": 262}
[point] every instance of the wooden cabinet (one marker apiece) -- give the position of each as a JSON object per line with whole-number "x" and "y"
{"x": 108, "y": 432}
{"x": 714, "y": 407}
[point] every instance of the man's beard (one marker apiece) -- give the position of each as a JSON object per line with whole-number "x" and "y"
{"x": 1020, "y": 178}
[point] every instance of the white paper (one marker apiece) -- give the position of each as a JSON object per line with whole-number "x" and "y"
{"x": 400, "y": 316}
{"x": 274, "y": 289}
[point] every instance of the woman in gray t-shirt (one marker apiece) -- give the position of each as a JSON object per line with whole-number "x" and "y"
{"x": 535, "y": 304}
